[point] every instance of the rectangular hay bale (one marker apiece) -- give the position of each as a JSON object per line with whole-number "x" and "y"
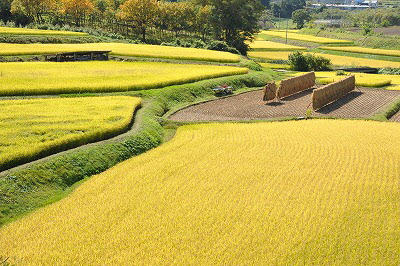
{"x": 295, "y": 85}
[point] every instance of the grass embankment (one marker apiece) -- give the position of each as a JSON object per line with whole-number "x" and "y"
{"x": 24, "y": 31}
{"x": 39, "y": 78}
{"x": 31, "y": 129}
{"x": 302, "y": 37}
{"x": 390, "y": 82}
{"x": 336, "y": 59}
{"x": 124, "y": 49}
{"x": 273, "y": 46}
{"x": 362, "y": 50}
{"x": 23, "y": 190}
{"x": 331, "y": 198}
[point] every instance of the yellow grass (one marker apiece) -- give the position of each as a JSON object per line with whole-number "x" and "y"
{"x": 274, "y": 46}
{"x": 362, "y": 79}
{"x": 124, "y": 49}
{"x": 303, "y": 37}
{"x": 314, "y": 192}
{"x": 101, "y": 76}
{"x": 274, "y": 66}
{"x": 23, "y": 31}
{"x": 363, "y": 50}
{"x": 32, "y": 128}
{"x": 336, "y": 59}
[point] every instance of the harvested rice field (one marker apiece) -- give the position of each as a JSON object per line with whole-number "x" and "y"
{"x": 363, "y": 50}
{"x": 389, "y": 82}
{"x": 318, "y": 192}
{"x": 336, "y": 59}
{"x": 274, "y": 46}
{"x": 24, "y": 31}
{"x": 123, "y": 49}
{"x": 34, "y": 128}
{"x": 38, "y": 78}
{"x": 302, "y": 37}
{"x": 249, "y": 106}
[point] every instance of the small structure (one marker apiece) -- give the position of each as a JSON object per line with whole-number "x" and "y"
{"x": 224, "y": 89}
{"x": 77, "y": 56}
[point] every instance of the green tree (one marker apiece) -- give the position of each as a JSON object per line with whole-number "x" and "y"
{"x": 143, "y": 13}
{"x": 5, "y": 10}
{"x": 300, "y": 17}
{"x": 34, "y": 9}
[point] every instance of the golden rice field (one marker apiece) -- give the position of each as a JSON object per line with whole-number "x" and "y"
{"x": 303, "y": 37}
{"x": 24, "y": 31}
{"x": 274, "y": 46}
{"x": 363, "y": 50}
{"x": 336, "y": 59}
{"x": 32, "y": 128}
{"x": 391, "y": 82}
{"x": 31, "y": 78}
{"x": 311, "y": 192}
{"x": 123, "y": 49}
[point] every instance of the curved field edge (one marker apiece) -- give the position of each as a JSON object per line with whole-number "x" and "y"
{"x": 64, "y": 144}
{"x": 304, "y": 203}
{"x": 27, "y": 188}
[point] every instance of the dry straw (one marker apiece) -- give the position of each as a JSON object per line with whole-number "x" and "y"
{"x": 269, "y": 91}
{"x": 332, "y": 92}
{"x": 295, "y": 85}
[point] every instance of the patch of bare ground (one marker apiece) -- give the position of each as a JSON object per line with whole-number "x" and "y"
{"x": 249, "y": 106}
{"x": 389, "y": 30}
{"x": 395, "y": 117}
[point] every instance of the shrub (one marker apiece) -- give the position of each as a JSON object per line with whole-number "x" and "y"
{"x": 307, "y": 62}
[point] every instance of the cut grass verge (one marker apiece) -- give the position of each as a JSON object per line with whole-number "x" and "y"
{"x": 273, "y": 46}
{"x": 363, "y": 50}
{"x": 31, "y": 129}
{"x": 123, "y": 49}
{"x": 39, "y": 78}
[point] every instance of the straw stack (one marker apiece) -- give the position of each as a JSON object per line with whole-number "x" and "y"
{"x": 295, "y": 85}
{"x": 332, "y": 92}
{"x": 269, "y": 91}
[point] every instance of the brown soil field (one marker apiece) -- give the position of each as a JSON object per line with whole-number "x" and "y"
{"x": 249, "y": 106}
{"x": 389, "y": 30}
{"x": 396, "y": 117}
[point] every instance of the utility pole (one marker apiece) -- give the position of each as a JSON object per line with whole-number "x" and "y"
{"x": 287, "y": 25}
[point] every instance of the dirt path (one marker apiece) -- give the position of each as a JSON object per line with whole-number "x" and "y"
{"x": 249, "y": 106}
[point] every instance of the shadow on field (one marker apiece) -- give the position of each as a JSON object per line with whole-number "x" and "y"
{"x": 339, "y": 103}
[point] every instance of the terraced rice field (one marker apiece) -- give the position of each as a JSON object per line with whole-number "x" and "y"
{"x": 363, "y": 50}
{"x": 123, "y": 49}
{"x": 33, "y": 128}
{"x": 33, "y": 78}
{"x": 274, "y": 46}
{"x": 300, "y": 192}
{"x": 303, "y": 37}
{"x": 23, "y": 31}
{"x": 391, "y": 82}
{"x": 336, "y": 59}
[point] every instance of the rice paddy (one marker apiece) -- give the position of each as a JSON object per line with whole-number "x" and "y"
{"x": 274, "y": 46}
{"x": 25, "y": 31}
{"x": 316, "y": 192}
{"x": 302, "y": 37}
{"x": 38, "y": 78}
{"x": 336, "y": 59}
{"x": 32, "y": 128}
{"x": 122, "y": 49}
{"x": 363, "y": 50}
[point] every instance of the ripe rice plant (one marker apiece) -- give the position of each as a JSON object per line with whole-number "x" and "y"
{"x": 274, "y": 46}
{"x": 336, "y": 59}
{"x": 24, "y": 31}
{"x": 34, "y": 128}
{"x": 317, "y": 192}
{"x": 302, "y": 37}
{"x": 363, "y": 50}
{"x": 33, "y": 78}
{"x": 123, "y": 49}
{"x": 362, "y": 79}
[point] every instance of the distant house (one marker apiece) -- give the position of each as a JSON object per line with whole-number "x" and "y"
{"x": 346, "y": 4}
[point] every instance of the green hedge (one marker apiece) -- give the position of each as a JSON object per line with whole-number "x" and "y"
{"x": 45, "y": 181}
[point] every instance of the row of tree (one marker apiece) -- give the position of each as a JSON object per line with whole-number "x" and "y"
{"x": 231, "y": 21}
